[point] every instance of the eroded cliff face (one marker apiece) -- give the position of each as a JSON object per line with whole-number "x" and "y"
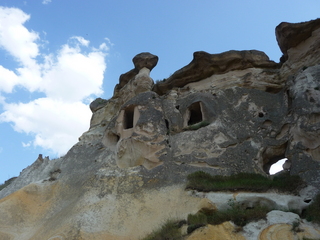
{"x": 223, "y": 114}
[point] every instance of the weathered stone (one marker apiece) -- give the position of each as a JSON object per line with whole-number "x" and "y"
{"x": 125, "y": 78}
{"x": 146, "y": 60}
{"x": 103, "y": 115}
{"x": 97, "y": 104}
{"x": 249, "y": 200}
{"x": 141, "y": 82}
{"x": 306, "y": 54}
{"x": 139, "y": 132}
{"x": 279, "y": 225}
{"x": 216, "y": 232}
{"x": 284, "y": 231}
{"x": 204, "y": 65}
{"x": 303, "y": 151}
{"x": 223, "y": 114}
{"x": 140, "y": 61}
{"x": 290, "y": 35}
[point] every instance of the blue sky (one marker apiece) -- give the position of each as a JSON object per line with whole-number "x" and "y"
{"x": 57, "y": 56}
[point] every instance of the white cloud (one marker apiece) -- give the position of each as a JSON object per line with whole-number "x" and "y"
{"x": 67, "y": 78}
{"x": 56, "y": 125}
{"x": 46, "y": 1}
{"x": 28, "y": 144}
{"x": 109, "y": 41}
{"x": 103, "y": 47}
{"x": 73, "y": 76}
{"x": 8, "y": 79}
{"x": 81, "y": 40}
{"x": 17, "y": 39}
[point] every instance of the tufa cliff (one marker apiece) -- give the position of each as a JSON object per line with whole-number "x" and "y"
{"x": 223, "y": 114}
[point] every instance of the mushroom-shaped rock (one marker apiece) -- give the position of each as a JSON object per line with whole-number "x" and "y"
{"x": 146, "y": 60}
{"x": 141, "y": 60}
{"x": 289, "y": 35}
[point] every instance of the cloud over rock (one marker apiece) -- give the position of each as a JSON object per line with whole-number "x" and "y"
{"x": 65, "y": 79}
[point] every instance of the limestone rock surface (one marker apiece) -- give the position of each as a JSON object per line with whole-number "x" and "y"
{"x": 219, "y": 232}
{"x": 146, "y": 60}
{"x": 140, "y": 61}
{"x": 290, "y": 35}
{"x": 222, "y": 114}
{"x": 204, "y": 65}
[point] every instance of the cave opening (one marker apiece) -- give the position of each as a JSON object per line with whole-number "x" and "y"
{"x": 195, "y": 113}
{"x": 128, "y": 117}
{"x": 274, "y": 155}
{"x": 277, "y": 166}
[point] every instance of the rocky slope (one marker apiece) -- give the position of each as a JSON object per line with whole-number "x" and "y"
{"x": 223, "y": 114}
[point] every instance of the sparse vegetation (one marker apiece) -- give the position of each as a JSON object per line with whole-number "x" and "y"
{"x": 6, "y": 183}
{"x": 296, "y": 226}
{"x": 54, "y": 174}
{"x": 169, "y": 231}
{"x": 194, "y": 227}
{"x": 2, "y": 186}
{"x": 195, "y": 221}
{"x": 313, "y": 210}
{"x": 197, "y": 125}
{"x": 198, "y": 218}
{"x": 205, "y": 182}
{"x": 236, "y": 213}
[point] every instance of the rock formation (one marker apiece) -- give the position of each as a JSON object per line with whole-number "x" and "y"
{"x": 223, "y": 114}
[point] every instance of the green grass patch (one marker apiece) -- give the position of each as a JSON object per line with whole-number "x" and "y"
{"x": 253, "y": 182}
{"x": 169, "y": 231}
{"x": 313, "y": 210}
{"x": 198, "y": 218}
{"x": 196, "y": 126}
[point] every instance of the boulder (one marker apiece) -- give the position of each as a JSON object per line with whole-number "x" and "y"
{"x": 290, "y": 35}
{"x": 97, "y": 104}
{"x": 204, "y": 65}
{"x": 146, "y": 60}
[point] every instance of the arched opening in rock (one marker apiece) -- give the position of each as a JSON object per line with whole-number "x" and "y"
{"x": 277, "y": 167}
{"x": 110, "y": 139}
{"x": 113, "y": 138}
{"x": 128, "y": 117}
{"x": 272, "y": 155}
{"x": 195, "y": 113}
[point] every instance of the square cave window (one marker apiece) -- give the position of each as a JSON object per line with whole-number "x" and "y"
{"x": 195, "y": 113}
{"x": 128, "y": 117}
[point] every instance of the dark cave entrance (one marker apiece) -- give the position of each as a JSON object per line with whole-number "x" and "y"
{"x": 128, "y": 117}
{"x": 195, "y": 113}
